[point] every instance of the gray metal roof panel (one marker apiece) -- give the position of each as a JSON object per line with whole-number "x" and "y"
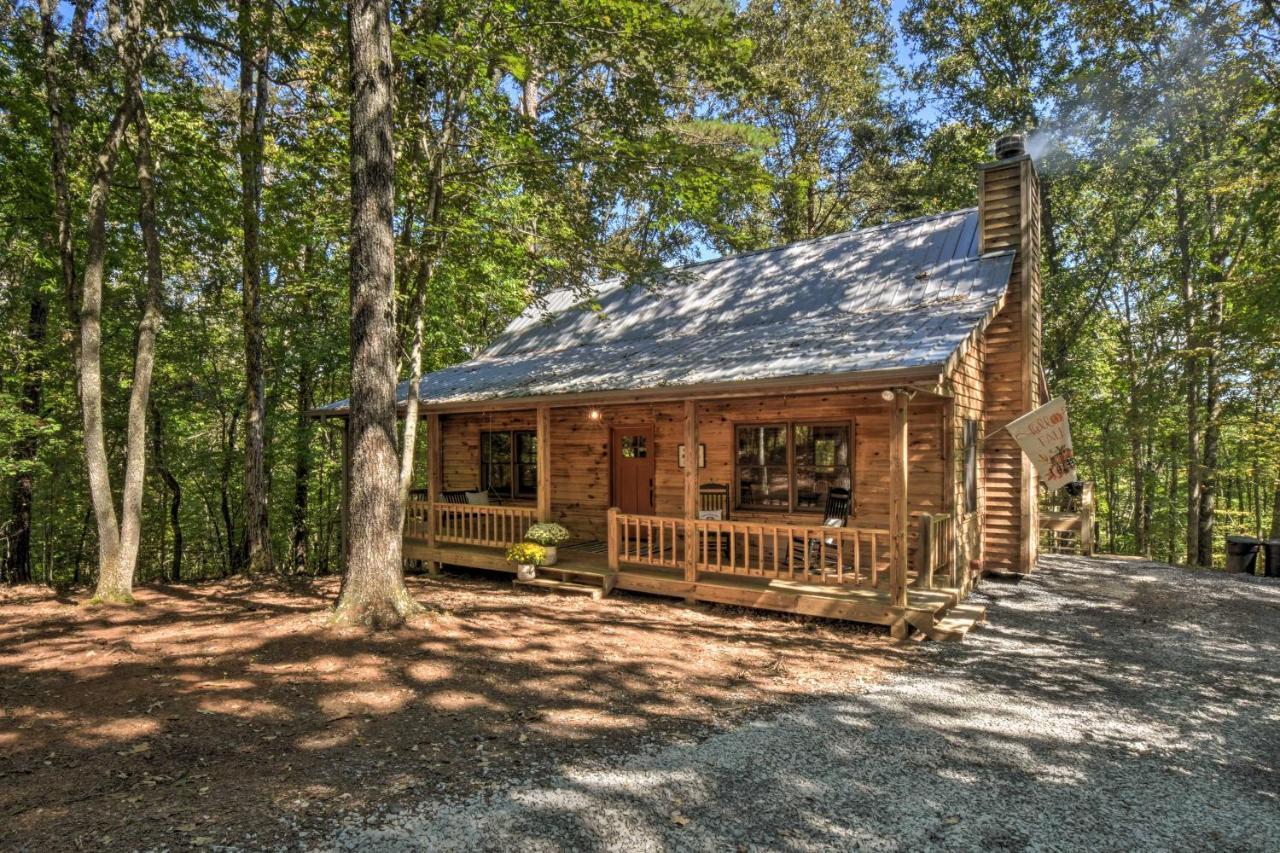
{"x": 899, "y": 296}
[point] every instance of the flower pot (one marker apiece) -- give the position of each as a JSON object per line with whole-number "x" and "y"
{"x": 551, "y": 556}
{"x": 526, "y": 572}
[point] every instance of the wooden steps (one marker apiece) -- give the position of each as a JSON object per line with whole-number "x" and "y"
{"x": 562, "y": 587}
{"x": 573, "y": 580}
{"x": 957, "y": 622}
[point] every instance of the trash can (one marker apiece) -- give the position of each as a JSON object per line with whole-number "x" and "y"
{"x": 1271, "y": 551}
{"x": 1242, "y": 554}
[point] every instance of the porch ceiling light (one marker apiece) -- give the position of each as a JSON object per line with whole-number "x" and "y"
{"x": 886, "y": 394}
{"x": 594, "y": 414}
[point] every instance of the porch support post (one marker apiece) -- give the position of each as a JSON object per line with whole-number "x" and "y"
{"x": 434, "y": 461}
{"x": 690, "y": 489}
{"x": 544, "y": 463}
{"x": 898, "y": 484}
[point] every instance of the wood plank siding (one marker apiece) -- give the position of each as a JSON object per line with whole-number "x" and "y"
{"x": 580, "y": 463}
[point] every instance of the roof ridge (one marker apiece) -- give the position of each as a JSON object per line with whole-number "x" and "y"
{"x": 884, "y": 226}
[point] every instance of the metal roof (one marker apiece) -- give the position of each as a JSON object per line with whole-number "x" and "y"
{"x": 896, "y": 296}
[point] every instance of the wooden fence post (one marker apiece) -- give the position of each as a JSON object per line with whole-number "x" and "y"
{"x": 613, "y": 538}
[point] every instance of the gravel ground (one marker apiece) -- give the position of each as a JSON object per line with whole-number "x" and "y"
{"x": 1108, "y": 705}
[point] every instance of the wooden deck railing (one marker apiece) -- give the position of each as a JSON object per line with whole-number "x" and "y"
{"x": 936, "y": 549}
{"x": 470, "y": 524}
{"x": 646, "y": 540}
{"x": 857, "y": 556}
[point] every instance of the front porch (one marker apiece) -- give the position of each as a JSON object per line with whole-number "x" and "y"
{"x": 902, "y": 552}
{"x": 841, "y": 581}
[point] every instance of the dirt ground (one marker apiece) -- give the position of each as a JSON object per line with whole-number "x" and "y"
{"x": 231, "y": 713}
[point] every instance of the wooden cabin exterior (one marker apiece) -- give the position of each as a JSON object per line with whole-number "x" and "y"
{"x": 897, "y": 390}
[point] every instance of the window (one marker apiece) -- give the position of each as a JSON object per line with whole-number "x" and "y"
{"x": 970, "y": 465}
{"x": 634, "y": 447}
{"x": 790, "y": 466}
{"x": 509, "y": 463}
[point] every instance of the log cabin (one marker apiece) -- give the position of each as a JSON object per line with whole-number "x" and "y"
{"x": 815, "y": 428}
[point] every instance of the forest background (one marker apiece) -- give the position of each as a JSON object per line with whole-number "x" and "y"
{"x": 190, "y": 162}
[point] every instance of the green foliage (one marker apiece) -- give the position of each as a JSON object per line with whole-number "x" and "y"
{"x": 545, "y": 145}
{"x": 547, "y": 533}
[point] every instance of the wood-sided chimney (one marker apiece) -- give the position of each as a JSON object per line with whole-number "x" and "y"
{"x": 1009, "y": 218}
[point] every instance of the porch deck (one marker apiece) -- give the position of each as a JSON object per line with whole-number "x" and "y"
{"x": 925, "y": 608}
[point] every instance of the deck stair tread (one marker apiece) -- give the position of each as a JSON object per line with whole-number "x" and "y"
{"x": 586, "y": 571}
{"x": 958, "y": 622}
{"x": 563, "y": 587}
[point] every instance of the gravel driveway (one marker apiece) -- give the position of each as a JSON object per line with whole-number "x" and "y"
{"x": 1108, "y": 705}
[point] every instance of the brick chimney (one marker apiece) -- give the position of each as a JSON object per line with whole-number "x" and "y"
{"x": 1009, "y": 218}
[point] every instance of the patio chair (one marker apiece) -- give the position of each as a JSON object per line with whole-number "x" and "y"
{"x": 836, "y": 514}
{"x": 713, "y": 505}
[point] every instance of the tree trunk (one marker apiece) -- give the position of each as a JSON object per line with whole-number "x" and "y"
{"x": 1191, "y": 313}
{"x": 115, "y": 575}
{"x": 1212, "y": 430}
{"x": 231, "y": 546}
{"x": 302, "y": 470}
{"x": 1172, "y": 497}
{"x": 373, "y": 590}
{"x": 144, "y": 358}
{"x": 175, "y": 491}
{"x": 253, "y": 97}
{"x": 1275, "y": 506}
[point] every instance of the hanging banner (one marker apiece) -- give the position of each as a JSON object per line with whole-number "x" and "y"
{"x": 1045, "y": 436}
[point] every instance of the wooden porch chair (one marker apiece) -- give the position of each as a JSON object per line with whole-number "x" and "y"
{"x": 836, "y": 514}
{"x": 713, "y": 501}
{"x": 713, "y": 504}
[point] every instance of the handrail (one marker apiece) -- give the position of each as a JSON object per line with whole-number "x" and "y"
{"x": 486, "y": 525}
{"x": 854, "y": 556}
{"x": 936, "y": 548}
{"x": 646, "y": 540}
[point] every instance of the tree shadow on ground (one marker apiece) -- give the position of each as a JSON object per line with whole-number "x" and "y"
{"x": 228, "y": 710}
{"x": 1107, "y": 706}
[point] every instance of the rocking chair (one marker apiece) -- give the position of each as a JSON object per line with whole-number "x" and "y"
{"x": 836, "y": 514}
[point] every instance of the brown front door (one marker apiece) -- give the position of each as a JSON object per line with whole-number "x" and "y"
{"x": 633, "y": 460}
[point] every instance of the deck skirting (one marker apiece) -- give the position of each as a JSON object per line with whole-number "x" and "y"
{"x": 871, "y": 605}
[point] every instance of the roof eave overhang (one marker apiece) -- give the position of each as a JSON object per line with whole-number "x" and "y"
{"x": 925, "y": 379}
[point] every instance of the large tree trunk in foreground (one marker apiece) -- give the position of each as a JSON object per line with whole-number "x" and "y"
{"x": 253, "y": 97}
{"x": 373, "y": 590}
{"x": 118, "y": 545}
{"x": 115, "y": 578}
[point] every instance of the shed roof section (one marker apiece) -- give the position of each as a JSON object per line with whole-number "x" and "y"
{"x": 892, "y": 297}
